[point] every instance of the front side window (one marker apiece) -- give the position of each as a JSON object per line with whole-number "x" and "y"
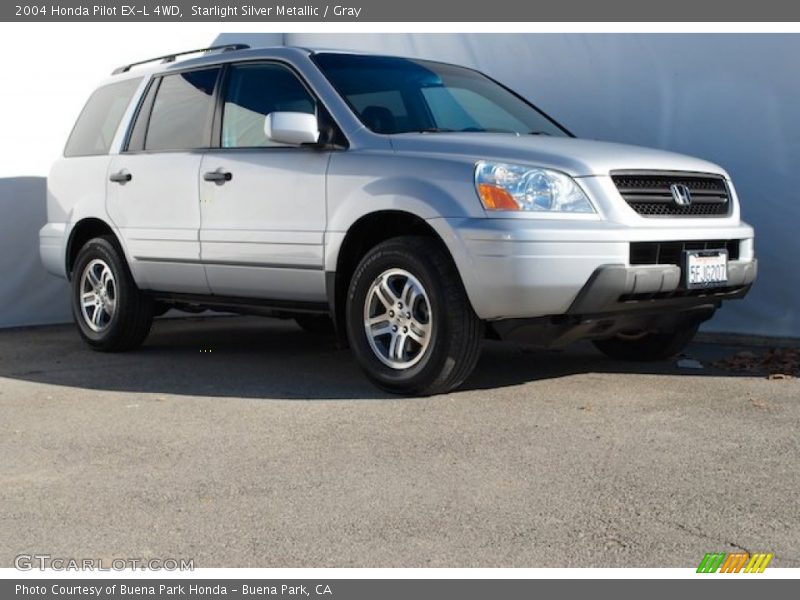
{"x": 253, "y": 91}
{"x": 182, "y": 110}
{"x": 400, "y": 95}
{"x": 98, "y": 122}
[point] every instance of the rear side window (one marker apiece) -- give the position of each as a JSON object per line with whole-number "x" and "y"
{"x": 254, "y": 91}
{"x": 182, "y": 110}
{"x": 98, "y": 122}
{"x": 139, "y": 131}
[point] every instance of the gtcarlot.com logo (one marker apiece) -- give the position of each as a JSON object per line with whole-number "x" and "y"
{"x": 737, "y": 562}
{"x": 29, "y": 562}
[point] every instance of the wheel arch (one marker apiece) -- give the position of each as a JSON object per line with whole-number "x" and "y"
{"x": 366, "y": 232}
{"x": 83, "y": 231}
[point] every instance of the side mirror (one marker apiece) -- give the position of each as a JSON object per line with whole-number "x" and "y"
{"x": 294, "y": 128}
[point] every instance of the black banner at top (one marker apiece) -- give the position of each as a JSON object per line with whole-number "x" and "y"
{"x": 469, "y": 11}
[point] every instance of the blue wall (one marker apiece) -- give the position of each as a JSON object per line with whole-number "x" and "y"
{"x": 733, "y": 99}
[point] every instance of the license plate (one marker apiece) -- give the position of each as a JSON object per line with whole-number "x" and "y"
{"x": 706, "y": 268}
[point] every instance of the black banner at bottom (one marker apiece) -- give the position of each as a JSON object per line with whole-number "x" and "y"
{"x": 732, "y": 586}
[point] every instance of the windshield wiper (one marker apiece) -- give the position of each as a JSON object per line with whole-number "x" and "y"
{"x": 467, "y": 130}
{"x": 434, "y": 130}
{"x": 472, "y": 130}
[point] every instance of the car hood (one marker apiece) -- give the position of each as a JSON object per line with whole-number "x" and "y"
{"x": 576, "y": 157}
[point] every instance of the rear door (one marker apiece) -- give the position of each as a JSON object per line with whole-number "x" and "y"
{"x": 263, "y": 223}
{"x": 153, "y": 188}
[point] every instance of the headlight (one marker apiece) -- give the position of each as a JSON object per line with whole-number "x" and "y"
{"x": 515, "y": 187}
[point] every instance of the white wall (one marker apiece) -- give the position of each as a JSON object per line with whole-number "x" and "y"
{"x": 49, "y": 70}
{"x": 733, "y": 99}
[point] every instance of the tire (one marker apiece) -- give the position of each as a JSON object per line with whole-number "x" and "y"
{"x": 111, "y": 313}
{"x": 437, "y": 340}
{"x": 316, "y": 324}
{"x": 649, "y": 346}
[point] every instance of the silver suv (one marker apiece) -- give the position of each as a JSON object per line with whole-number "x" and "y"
{"x": 412, "y": 207}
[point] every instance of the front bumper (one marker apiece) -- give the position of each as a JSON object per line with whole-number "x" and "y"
{"x": 527, "y": 268}
{"x": 619, "y": 298}
{"x": 614, "y": 288}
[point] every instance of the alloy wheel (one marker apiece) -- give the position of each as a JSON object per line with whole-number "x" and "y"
{"x": 397, "y": 319}
{"x": 98, "y": 295}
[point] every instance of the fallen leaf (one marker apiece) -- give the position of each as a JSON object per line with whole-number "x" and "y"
{"x": 776, "y": 363}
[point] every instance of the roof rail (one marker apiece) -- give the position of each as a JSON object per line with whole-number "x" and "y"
{"x": 168, "y": 58}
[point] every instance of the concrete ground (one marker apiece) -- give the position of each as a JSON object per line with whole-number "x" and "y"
{"x": 247, "y": 442}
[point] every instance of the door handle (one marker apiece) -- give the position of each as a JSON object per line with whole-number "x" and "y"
{"x": 122, "y": 177}
{"x": 219, "y": 176}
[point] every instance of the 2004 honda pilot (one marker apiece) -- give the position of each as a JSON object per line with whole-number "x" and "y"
{"x": 414, "y": 207}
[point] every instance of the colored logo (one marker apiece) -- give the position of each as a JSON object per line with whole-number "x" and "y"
{"x": 738, "y": 562}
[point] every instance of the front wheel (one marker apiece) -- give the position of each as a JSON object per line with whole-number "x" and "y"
{"x": 645, "y": 347}
{"x": 112, "y": 314}
{"x": 409, "y": 321}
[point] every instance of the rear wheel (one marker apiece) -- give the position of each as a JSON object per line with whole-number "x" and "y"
{"x": 409, "y": 321}
{"x": 111, "y": 313}
{"x": 645, "y": 346}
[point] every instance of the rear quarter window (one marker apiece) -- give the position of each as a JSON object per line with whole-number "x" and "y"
{"x": 98, "y": 122}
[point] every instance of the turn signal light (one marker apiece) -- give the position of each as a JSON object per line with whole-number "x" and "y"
{"x": 496, "y": 198}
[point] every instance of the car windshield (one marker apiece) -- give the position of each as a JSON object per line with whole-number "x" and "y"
{"x": 400, "y": 95}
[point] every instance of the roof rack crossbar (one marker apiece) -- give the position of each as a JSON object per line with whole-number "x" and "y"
{"x": 168, "y": 58}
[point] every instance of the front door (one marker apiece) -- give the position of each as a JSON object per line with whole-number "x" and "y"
{"x": 262, "y": 204}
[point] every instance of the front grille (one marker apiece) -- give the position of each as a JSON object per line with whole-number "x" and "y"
{"x": 671, "y": 253}
{"x": 649, "y": 193}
